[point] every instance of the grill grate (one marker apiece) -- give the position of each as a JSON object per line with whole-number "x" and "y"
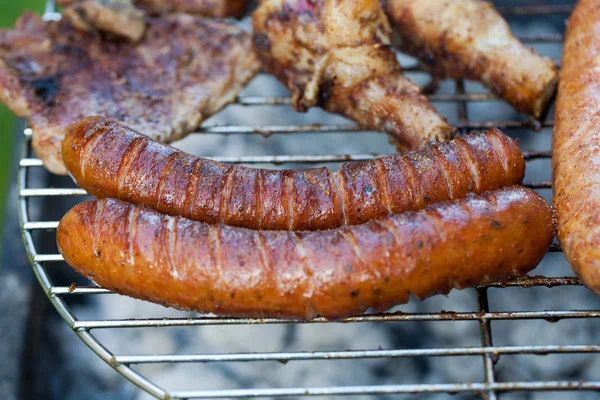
{"x": 490, "y": 388}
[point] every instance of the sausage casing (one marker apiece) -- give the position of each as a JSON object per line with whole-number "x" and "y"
{"x": 576, "y": 145}
{"x": 226, "y": 270}
{"x": 110, "y": 160}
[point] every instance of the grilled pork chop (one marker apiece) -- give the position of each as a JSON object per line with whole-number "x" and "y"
{"x": 185, "y": 69}
{"x": 337, "y": 55}
{"x": 127, "y": 17}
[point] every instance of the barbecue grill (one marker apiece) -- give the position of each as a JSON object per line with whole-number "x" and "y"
{"x": 92, "y": 332}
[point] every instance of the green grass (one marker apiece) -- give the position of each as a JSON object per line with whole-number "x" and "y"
{"x": 9, "y": 11}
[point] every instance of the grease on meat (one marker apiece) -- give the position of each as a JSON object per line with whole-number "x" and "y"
{"x": 336, "y": 273}
{"x": 171, "y": 181}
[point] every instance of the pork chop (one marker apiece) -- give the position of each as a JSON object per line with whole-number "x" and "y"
{"x": 185, "y": 69}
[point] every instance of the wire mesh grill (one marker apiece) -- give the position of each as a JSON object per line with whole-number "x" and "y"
{"x": 489, "y": 388}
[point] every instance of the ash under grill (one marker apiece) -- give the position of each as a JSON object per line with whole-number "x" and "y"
{"x": 485, "y": 368}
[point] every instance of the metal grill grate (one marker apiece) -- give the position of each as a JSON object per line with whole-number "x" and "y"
{"x": 490, "y": 388}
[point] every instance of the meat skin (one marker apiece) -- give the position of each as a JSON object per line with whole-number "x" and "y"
{"x": 110, "y": 160}
{"x": 337, "y": 55}
{"x": 469, "y": 39}
{"x": 576, "y": 144}
{"x": 337, "y": 273}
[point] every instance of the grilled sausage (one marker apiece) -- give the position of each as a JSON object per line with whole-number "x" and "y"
{"x": 576, "y": 145}
{"x": 470, "y": 39}
{"x": 224, "y": 270}
{"x": 109, "y": 160}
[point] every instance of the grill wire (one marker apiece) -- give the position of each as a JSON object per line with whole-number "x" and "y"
{"x": 490, "y": 388}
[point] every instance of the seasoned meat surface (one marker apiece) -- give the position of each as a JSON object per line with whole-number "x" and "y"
{"x": 210, "y": 8}
{"x": 185, "y": 69}
{"x": 176, "y": 262}
{"x": 470, "y": 39}
{"x": 576, "y": 145}
{"x": 172, "y": 182}
{"x": 337, "y": 55}
{"x": 127, "y": 17}
{"x": 119, "y": 17}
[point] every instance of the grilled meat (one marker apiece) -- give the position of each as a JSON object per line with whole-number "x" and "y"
{"x": 337, "y": 55}
{"x": 127, "y": 17}
{"x": 209, "y": 8}
{"x": 185, "y": 69}
{"x": 337, "y": 273}
{"x": 470, "y": 39}
{"x": 119, "y": 17}
{"x": 576, "y": 145}
{"x": 95, "y": 150}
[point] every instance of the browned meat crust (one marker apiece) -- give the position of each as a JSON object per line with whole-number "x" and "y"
{"x": 209, "y": 8}
{"x": 119, "y": 17}
{"x": 576, "y": 145}
{"x": 127, "y": 17}
{"x": 184, "y": 70}
{"x": 336, "y": 273}
{"x": 470, "y": 39}
{"x": 109, "y": 160}
{"x": 336, "y": 55}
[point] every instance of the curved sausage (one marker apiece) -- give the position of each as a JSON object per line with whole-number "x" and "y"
{"x": 576, "y": 145}
{"x": 470, "y": 39}
{"x": 225, "y": 270}
{"x": 109, "y": 160}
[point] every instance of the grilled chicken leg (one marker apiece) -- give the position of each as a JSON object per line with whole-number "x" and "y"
{"x": 470, "y": 39}
{"x": 337, "y": 55}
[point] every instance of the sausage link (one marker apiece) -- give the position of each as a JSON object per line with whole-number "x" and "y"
{"x": 576, "y": 145}
{"x": 336, "y": 273}
{"x": 109, "y": 160}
